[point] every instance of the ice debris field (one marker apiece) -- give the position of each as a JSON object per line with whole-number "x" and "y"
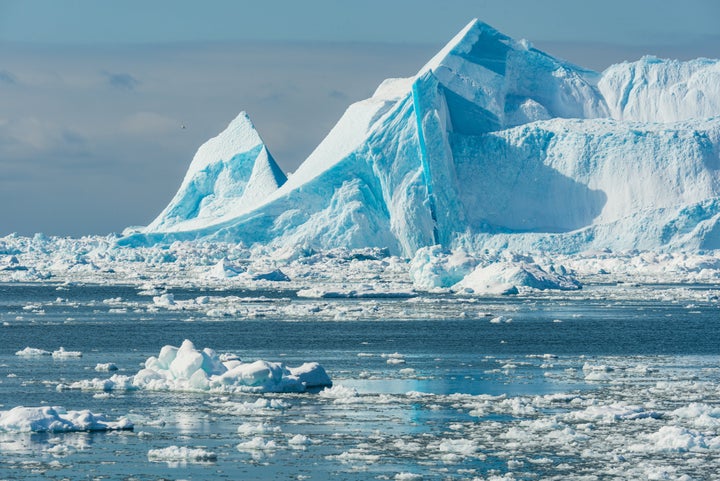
{"x": 504, "y": 267}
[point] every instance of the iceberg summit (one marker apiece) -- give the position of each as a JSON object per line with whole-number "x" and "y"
{"x": 492, "y": 144}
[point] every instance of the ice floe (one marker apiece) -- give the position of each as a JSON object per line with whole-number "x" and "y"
{"x": 57, "y": 419}
{"x": 61, "y": 353}
{"x": 186, "y": 368}
{"x": 182, "y": 454}
{"x": 32, "y": 352}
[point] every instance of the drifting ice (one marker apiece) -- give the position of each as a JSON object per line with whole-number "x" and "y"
{"x": 189, "y": 369}
{"x": 57, "y": 419}
{"x": 492, "y": 144}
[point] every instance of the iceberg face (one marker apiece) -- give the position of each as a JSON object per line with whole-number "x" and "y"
{"x": 493, "y": 143}
{"x": 654, "y": 90}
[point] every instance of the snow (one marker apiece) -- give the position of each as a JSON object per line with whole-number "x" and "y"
{"x": 186, "y": 368}
{"x": 57, "y": 419}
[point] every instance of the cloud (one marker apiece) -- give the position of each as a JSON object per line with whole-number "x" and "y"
{"x": 122, "y": 81}
{"x": 338, "y": 95}
{"x": 7, "y": 78}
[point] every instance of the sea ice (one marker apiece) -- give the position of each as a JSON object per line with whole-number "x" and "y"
{"x": 188, "y": 369}
{"x": 32, "y": 352}
{"x": 182, "y": 454}
{"x": 57, "y": 419}
{"x": 61, "y": 353}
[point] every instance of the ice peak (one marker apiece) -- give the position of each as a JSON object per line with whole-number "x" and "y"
{"x": 230, "y": 173}
{"x": 243, "y": 130}
{"x": 477, "y": 39}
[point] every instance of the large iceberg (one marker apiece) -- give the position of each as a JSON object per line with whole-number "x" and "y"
{"x": 493, "y": 143}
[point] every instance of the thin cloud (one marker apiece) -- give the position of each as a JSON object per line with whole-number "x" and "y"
{"x": 122, "y": 81}
{"x": 338, "y": 95}
{"x": 7, "y": 78}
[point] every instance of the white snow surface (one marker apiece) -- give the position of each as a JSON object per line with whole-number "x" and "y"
{"x": 492, "y": 143}
{"x": 57, "y": 419}
{"x": 186, "y": 368}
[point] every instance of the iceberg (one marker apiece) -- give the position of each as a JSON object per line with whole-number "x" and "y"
{"x": 493, "y": 143}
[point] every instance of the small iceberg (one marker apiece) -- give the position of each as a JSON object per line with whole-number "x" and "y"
{"x": 186, "y": 368}
{"x": 56, "y": 419}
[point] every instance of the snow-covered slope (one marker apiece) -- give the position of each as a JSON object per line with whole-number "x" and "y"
{"x": 493, "y": 142}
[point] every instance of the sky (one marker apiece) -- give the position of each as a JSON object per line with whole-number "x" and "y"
{"x": 94, "y": 94}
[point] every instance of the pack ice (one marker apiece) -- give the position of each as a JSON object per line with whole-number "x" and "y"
{"x": 493, "y": 143}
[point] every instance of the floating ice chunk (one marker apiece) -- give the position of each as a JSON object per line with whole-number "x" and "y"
{"x": 311, "y": 374}
{"x": 189, "y": 369}
{"x": 405, "y": 476}
{"x": 299, "y": 440}
{"x": 259, "y": 428}
{"x": 677, "y": 439}
{"x": 32, "y": 352}
{"x": 341, "y": 394}
{"x": 612, "y": 413}
{"x": 368, "y": 291}
{"x": 465, "y": 447}
{"x": 357, "y": 455}
{"x": 182, "y": 454}
{"x": 699, "y": 414}
{"x": 63, "y": 354}
{"x": 224, "y": 270}
{"x": 395, "y": 355}
{"x": 275, "y": 275}
{"x": 257, "y": 443}
{"x": 502, "y": 278}
{"x": 106, "y": 367}
{"x": 433, "y": 267}
{"x": 116, "y": 382}
{"x": 164, "y": 300}
{"x": 57, "y": 419}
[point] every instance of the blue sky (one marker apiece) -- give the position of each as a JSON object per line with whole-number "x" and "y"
{"x": 94, "y": 92}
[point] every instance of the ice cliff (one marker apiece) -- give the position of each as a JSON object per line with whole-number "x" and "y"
{"x": 492, "y": 143}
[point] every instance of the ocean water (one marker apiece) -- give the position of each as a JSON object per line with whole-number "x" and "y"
{"x": 435, "y": 387}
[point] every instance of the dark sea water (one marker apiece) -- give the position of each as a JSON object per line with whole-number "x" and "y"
{"x": 419, "y": 380}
